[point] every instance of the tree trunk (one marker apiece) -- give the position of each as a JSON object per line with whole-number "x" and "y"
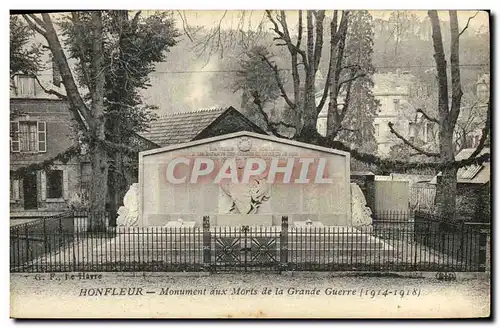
{"x": 334, "y": 118}
{"x": 98, "y": 187}
{"x": 91, "y": 121}
{"x": 446, "y": 191}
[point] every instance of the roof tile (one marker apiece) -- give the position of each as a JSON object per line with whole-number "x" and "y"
{"x": 181, "y": 127}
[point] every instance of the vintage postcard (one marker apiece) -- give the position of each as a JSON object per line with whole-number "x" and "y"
{"x": 250, "y": 164}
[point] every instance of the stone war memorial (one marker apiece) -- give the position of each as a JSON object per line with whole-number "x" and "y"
{"x": 247, "y": 200}
{"x": 245, "y": 179}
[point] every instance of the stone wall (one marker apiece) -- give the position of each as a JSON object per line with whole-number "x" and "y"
{"x": 71, "y": 185}
{"x": 473, "y": 204}
{"x": 60, "y": 134}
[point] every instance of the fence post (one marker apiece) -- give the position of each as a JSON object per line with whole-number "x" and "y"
{"x": 488, "y": 252}
{"x": 45, "y": 243}
{"x": 483, "y": 250}
{"x": 284, "y": 243}
{"x": 207, "y": 238}
{"x": 27, "y": 243}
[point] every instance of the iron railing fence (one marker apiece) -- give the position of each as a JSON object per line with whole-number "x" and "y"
{"x": 32, "y": 240}
{"x": 383, "y": 246}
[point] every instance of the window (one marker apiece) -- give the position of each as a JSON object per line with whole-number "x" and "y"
{"x": 428, "y": 132}
{"x": 26, "y": 85}
{"x": 54, "y": 184}
{"x": 14, "y": 136}
{"x": 14, "y": 189}
{"x": 396, "y": 104}
{"x": 377, "y": 130}
{"x": 412, "y": 129}
{"x": 28, "y": 136}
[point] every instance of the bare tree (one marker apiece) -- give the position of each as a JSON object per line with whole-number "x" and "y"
{"x": 305, "y": 56}
{"x": 448, "y": 111}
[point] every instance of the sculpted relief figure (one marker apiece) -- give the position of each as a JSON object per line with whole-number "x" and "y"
{"x": 247, "y": 198}
{"x": 128, "y": 214}
{"x": 361, "y": 213}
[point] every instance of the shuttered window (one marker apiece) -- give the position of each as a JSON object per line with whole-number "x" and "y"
{"x": 14, "y": 137}
{"x": 14, "y": 189}
{"x": 28, "y": 136}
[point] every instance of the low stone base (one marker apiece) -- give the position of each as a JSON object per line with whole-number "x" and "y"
{"x": 238, "y": 220}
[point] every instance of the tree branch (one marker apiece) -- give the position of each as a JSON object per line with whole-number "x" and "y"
{"x": 337, "y": 35}
{"x": 411, "y": 145}
{"x": 424, "y": 114}
{"x": 319, "y": 108}
{"x": 278, "y": 80}
{"x": 184, "y": 26}
{"x": 285, "y": 36}
{"x": 34, "y": 26}
{"x": 333, "y": 49}
{"x": 442, "y": 76}
{"x": 398, "y": 164}
{"x": 80, "y": 111}
{"x": 467, "y": 25}
{"x": 456, "y": 87}
{"x": 340, "y": 37}
{"x": 318, "y": 46}
{"x": 351, "y": 79}
{"x": 79, "y": 44}
{"x": 299, "y": 33}
{"x": 36, "y": 19}
{"x": 484, "y": 133}
{"x": 270, "y": 125}
{"x": 347, "y": 99}
{"x": 51, "y": 91}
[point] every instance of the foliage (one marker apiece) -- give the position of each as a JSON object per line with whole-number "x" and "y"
{"x": 358, "y": 123}
{"x": 132, "y": 46}
{"x": 114, "y": 55}
{"x": 79, "y": 201}
{"x": 254, "y": 76}
{"x": 23, "y": 59}
{"x": 62, "y": 157}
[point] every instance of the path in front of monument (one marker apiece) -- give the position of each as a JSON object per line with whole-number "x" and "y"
{"x": 252, "y": 295}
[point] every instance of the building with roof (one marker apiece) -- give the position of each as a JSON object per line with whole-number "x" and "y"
{"x": 392, "y": 90}
{"x": 204, "y": 123}
{"x": 473, "y": 189}
{"x": 41, "y": 127}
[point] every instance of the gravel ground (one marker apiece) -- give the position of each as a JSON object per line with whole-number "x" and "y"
{"x": 245, "y": 295}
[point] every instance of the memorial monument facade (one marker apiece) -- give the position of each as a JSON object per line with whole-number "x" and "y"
{"x": 244, "y": 178}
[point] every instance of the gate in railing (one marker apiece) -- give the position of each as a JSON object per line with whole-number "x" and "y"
{"x": 242, "y": 248}
{"x": 61, "y": 244}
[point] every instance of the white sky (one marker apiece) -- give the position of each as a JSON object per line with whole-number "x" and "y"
{"x": 210, "y": 18}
